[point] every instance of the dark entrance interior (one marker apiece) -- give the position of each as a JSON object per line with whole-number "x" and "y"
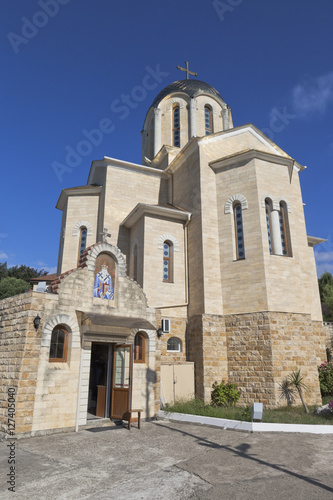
{"x": 110, "y": 380}
{"x": 99, "y": 381}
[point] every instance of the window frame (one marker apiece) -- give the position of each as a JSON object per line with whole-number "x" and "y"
{"x": 284, "y": 229}
{"x": 63, "y": 359}
{"x": 179, "y": 342}
{"x": 175, "y": 130}
{"x": 142, "y": 358}
{"x": 135, "y": 262}
{"x": 82, "y": 228}
{"x": 169, "y": 259}
{"x": 268, "y": 211}
{"x": 208, "y": 131}
{"x": 238, "y": 204}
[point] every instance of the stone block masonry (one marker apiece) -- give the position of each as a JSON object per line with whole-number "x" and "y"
{"x": 256, "y": 351}
{"x": 19, "y": 351}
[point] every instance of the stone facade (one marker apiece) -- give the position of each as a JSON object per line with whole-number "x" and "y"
{"x": 249, "y": 320}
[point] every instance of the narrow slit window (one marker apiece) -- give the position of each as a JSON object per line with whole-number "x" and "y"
{"x": 139, "y": 348}
{"x": 208, "y": 121}
{"x": 135, "y": 263}
{"x": 167, "y": 261}
{"x": 176, "y": 126}
{"x": 239, "y": 234}
{"x": 284, "y": 230}
{"x": 269, "y": 225}
{"x": 82, "y": 241}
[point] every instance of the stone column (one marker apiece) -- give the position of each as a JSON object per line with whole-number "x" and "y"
{"x": 193, "y": 118}
{"x": 276, "y": 233}
{"x": 157, "y": 131}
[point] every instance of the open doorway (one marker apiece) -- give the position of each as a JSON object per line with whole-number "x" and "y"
{"x": 99, "y": 381}
{"x": 110, "y": 381}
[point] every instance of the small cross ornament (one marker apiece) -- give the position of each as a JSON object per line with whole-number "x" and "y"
{"x": 188, "y": 72}
{"x": 105, "y": 235}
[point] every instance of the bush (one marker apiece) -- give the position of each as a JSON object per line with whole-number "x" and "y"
{"x": 326, "y": 378}
{"x": 224, "y": 394}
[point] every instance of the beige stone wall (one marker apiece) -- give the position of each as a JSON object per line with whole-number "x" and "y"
{"x": 159, "y": 292}
{"x": 178, "y": 329}
{"x": 137, "y": 238}
{"x": 19, "y": 351}
{"x": 125, "y": 188}
{"x": 186, "y": 195}
{"x": 79, "y": 208}
{"x": 166, "y": 107}
{"x": 202, "y": 101}
{"x": 264, "y": 348}
{"x": 207, "y": 347}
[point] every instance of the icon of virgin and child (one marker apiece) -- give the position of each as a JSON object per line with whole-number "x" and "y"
{"x": 103, "y": 287}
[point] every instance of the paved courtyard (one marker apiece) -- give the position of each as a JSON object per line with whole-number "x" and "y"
{"x": 170, "y": 461}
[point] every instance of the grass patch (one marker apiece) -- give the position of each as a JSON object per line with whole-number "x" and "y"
{"x": 283, "y": 415}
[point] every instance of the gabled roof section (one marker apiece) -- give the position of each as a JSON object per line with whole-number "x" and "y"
{"x": 243, "y": 157}
{"x": 89, "y": 190}
{"x": 162, "y": 211}
{"x": 114, "y": 162}
{"x": 249, "y": 128}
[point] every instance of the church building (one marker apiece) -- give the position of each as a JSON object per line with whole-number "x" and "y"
{"x": 192, "y": 267}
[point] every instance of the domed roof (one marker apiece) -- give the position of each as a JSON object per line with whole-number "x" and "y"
{"x": 190, "y": 87}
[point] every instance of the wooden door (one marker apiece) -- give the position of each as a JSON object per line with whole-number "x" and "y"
{"x": 121, "y": 381}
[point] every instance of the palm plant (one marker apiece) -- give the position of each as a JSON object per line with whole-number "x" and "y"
{"x": 296, "y": 379}
{"x": 287, "y": 391}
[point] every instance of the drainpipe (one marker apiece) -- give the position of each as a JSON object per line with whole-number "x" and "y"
{"x": 79, "y": 388}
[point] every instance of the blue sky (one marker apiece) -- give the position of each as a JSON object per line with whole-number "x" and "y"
{"x": 68, "y": 66}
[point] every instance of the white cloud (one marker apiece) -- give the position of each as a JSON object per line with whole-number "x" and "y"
{"x": 3, "y": 255}
{"x": 324, "y": 257}
{"x": 49, "y": 269}
{"x": 313, "y": 95}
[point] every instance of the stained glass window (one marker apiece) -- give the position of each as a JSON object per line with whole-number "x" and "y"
{"x": 208, "y": 121}
{"x": 269, "y": 228}
{"x": 284, "y": 230}
{"x": 239, "y": 234}
{"x": 176, "y": 127}
{"x": 167, "y": 261}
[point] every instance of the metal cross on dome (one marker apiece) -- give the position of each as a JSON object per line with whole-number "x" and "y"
{"x": 105, "y": 235}
{"x": 188, "y": 72}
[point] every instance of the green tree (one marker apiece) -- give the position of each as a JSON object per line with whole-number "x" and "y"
{"x": 12, "y": 286}
{"x": 25, "y": 273}
{"x": 325, "y": 283}
{"x": 16, "y": 279}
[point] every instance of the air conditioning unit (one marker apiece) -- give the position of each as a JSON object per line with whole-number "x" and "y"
{"x": 166, "y": 325}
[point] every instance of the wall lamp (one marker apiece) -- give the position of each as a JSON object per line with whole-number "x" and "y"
{"x": 37, "y": 322}
{"x": 159, "y": 332}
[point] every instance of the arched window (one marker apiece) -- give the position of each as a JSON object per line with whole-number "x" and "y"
{"x": 135, "y": 263}
{"x": 176, "y": 126}
{"x": 82, "y": 241}
{"x": 239, "y": 234}
{"x": 167, "y": 261}
{"x": 284, "y": 229}
{"x": 139, "y": 348}
{"x": 59, "y": 345}
{"x": 268, "y": 205}
{"x": 208, "y": 120}
{"x": 174, "y": 345}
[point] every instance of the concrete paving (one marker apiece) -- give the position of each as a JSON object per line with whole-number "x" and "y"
{"x": 170, "y": 461}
